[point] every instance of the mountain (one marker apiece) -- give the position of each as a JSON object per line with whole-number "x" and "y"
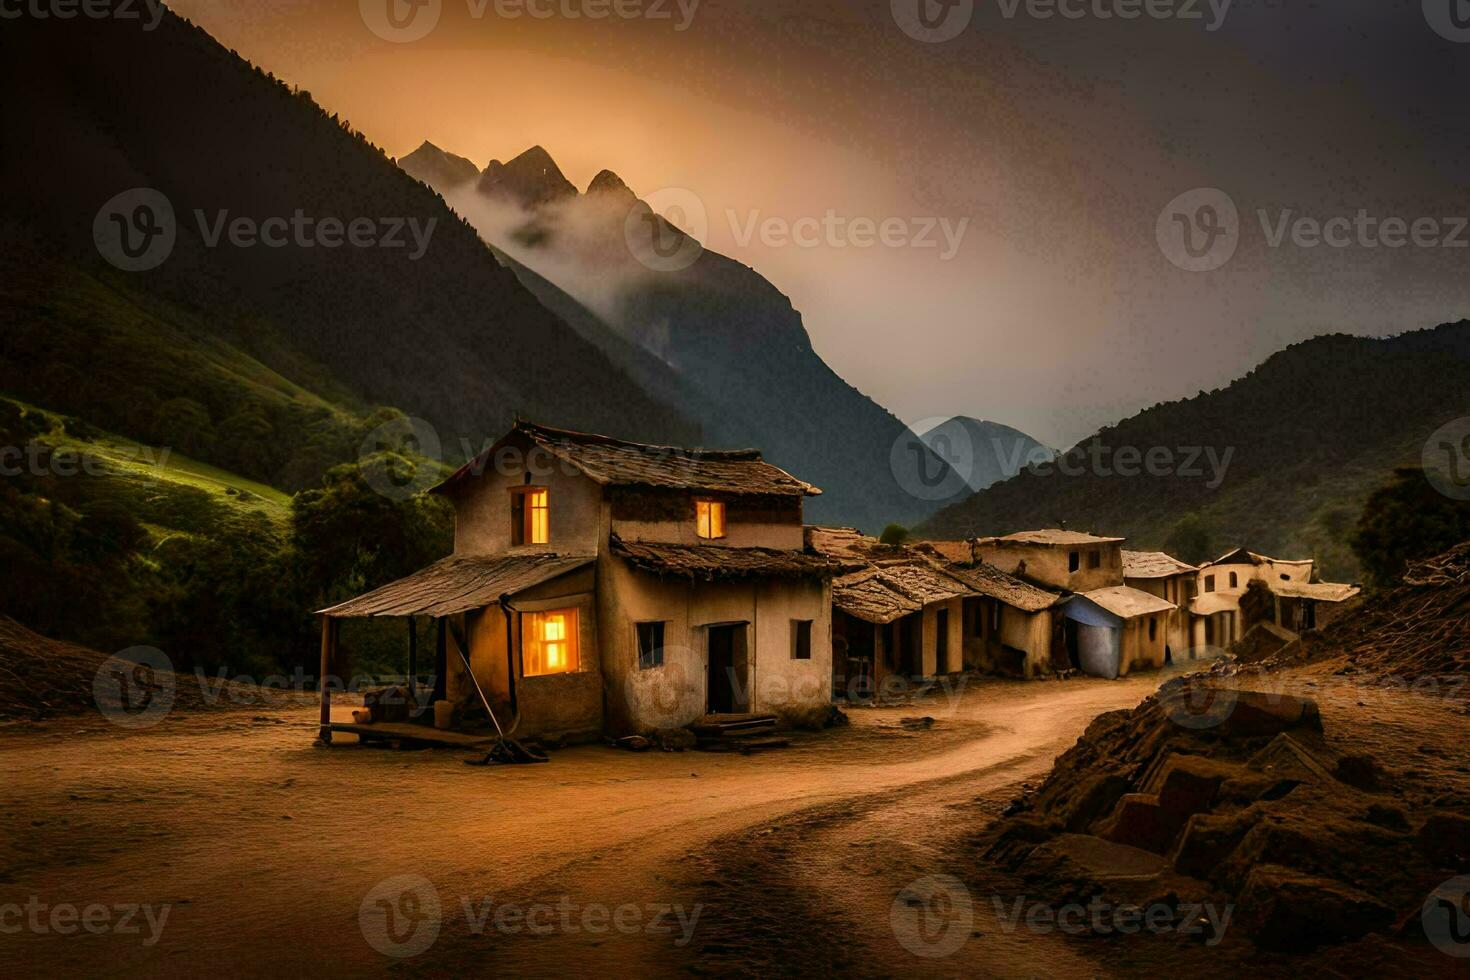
{"x": 1280, "y": 461}
{"x": 701, "y": 331}
{"x": 437, "y": 168}
{"x": 262, "y": 323}
{"x": 985, "y": 453}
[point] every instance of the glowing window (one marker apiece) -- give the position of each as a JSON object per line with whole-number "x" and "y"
{"x": 530, "y": 516}
{"x": 549, "y": 643}
{"x": 710, "y": 517}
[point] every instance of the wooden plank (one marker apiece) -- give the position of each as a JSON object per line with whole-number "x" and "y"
{"x": 416, "y": 733}
{"x": 323, "y": 682}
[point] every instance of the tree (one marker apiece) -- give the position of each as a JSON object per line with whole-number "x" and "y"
{"x": 1405, "y": 520}
{"x": 895, "y": 535}
{"x": 1191, "y": 540}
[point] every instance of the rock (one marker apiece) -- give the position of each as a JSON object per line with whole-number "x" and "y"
{"x": 1383, "y": 815}
{"x": 1097, "y": 798}
{"x": 635, "y": 743}
{"x": 675, "y": 739}
{"x": 1290, "y": 911}
{"x": 1208, "y": 839}
{"x": 1359, "y": 771}
{"x": 1256, "y": 714}
{"x": 1444, "y": 840}
{"x": 1186, "y": 785}
{"x": 917, "y": 724}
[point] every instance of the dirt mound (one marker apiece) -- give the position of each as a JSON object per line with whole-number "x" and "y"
{"x": 1205, "y": 794}
{"x": 42, "y": 677}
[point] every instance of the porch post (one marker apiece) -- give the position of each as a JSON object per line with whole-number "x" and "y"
{"x": 324, "y": 681}
{"x": 413, "y": 662}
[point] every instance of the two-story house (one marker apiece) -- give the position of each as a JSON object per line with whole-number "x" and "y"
{"x": 1298, "y": 600}
{"x": 599, "y": 585}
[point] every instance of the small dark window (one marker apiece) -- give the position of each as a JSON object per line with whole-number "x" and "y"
{"x": 650, "y": 645}
{"x": 1153, "y": 628}
{"x": 997, "y": 611}
{"x": 1094, "y": 559}
{"x": 977, "y": 621}
{"x": 1234, "y": 581}
{"x": 1209, "y": 583}
{"x": 1074, "y": 561}
{"x": 801, "y": 639}
{"x": 1286, "y": 578}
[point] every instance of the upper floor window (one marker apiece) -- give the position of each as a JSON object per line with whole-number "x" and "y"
{"x": 1094, "y": 559}
{"x": 550, "y": 643}
{"x": 530, "y": 516}
{"x": 710, "y": 519}
{"x": 1234, "y": 581}
{"x": 1209, "y": 583}
{"x": 1074, "y": 560}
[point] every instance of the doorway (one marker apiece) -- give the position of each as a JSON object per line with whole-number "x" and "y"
{"x": 728, "y": 690}
{"x": 941, "y": 641}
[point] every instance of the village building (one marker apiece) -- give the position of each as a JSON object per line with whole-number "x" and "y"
{"x": 1298, "y": 601}
{"x": 1172, "y": 580}
{"x": 1108, "y": 628}
{"x": 604, "y": 586}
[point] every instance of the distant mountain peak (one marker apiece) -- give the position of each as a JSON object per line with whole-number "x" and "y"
{"x": 438, "y": 168}
{"x": 531, "y": 179}
{"x": 608, "y": 182}
{"x": 984, "y": 453}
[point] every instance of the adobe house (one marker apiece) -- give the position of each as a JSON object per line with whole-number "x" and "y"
{"x": 897, "y": 615}
{"x": 599, "y": 585}
{"x": 1011, "y": 627}
{"x": 1301, "y": 602}
{"x": 1172, "y": 580}
{"x": 1066, "y": 560}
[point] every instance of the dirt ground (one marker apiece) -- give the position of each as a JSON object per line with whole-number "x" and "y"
{"x": 277, "y": 858}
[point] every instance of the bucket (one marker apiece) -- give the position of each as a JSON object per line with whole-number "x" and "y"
{"x": 443, "y": 715}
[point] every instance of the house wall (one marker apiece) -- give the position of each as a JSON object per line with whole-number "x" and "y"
{"x": 1137, "y": 651}
{"x": 1272, "y": 572}
{"x": 956, "y": 631}
{"x": 1050, "y": 564}
{"x": 1178, "y": 638}
{"x": 1029, "y": 633}
{"x": 1244, "y": 575}
{"x": 668, "y": 517}
{"x": 676, "y": 694}
{"x": 556, "y": 705}
{"x": 482, "y": 510}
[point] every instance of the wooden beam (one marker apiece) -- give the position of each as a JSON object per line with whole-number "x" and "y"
{"x": 413, "y": 663}
{"x": 324, "y": 678}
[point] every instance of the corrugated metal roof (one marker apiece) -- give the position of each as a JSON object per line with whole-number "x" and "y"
{"x": 615, "y": 462}
{"x": 1127, "y": 603}
{"x": 459, "y": 584}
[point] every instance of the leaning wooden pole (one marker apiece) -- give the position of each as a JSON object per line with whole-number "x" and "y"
{"x": 324, "y": 678}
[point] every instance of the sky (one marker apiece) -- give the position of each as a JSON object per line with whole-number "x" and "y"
{"x": 985, "y": 216}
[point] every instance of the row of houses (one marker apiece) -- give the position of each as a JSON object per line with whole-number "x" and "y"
{"x": 600, "y": 586}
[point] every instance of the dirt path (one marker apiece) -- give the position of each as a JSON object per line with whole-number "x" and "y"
{"x": 264, "y": 849}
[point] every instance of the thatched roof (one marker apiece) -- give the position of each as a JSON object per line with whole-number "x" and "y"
{"x": 1047, "y": 538}
{"x": 889, "y": 590}
{"x": 615, "y": 462}
{"x": 710, "y": 563}
{"x": 991, "y": 581}
{"x": 1153, "y": 564}
{"x": 1126, "y": 603}
{"x": 459, "y": 584}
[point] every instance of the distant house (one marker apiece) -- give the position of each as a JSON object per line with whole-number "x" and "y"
{"x": 1108, "y": 627}
{"x": 599, "y": 585}
{"x": 1172, "y": 580}
{"x": 1299, "y": 602}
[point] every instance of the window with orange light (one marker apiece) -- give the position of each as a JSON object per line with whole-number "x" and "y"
{"x": 710, "y": 518}
{"x": 549, "y": 643}
{"x": 530, "y": 516}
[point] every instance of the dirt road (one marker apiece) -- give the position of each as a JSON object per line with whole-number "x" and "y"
{"x": 241, "y": 850}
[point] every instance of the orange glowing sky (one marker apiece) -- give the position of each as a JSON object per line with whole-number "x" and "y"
{"x": 1058, "y": 142}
